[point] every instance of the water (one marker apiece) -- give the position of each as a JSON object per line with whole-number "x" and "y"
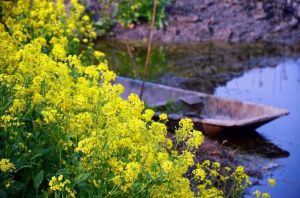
{"x": 280, "y": 87}
{"x": 261, "y": 73}
{"x": 201, "y": 67}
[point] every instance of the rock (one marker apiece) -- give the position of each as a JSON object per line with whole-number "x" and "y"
{"x": 211, "y": 21}
{"x": 208, "y": 2}
{"x": 295, "y": 4}
{"x": 280, "y": 27}
{"x": 260, "y": 12}
{"x": 230, "y": 2}
{"x": 260, "y": 6}
{"x": 293, "y": 22}
{"x": 188, "y": 19}
{"x": 260, "y": 15}
{"x": 223, "y": 35}
{"x": 254, "y": 36}
{"x": 284, "y": 25}
{"x": 298, "y": 12}
{"x": 204, "y": 29}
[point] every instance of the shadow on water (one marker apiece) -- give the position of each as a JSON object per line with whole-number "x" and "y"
{"x": 252, "y": 142}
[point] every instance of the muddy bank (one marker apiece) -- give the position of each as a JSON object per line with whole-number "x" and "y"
{"x": 224, "y": 21}
{"x": 234, "y": 151}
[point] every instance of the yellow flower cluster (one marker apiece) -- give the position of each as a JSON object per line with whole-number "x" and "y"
{"x": 74, "y": 114}
{"x": 258, "y": 194}
{"x": 186, "y": 133}
{"x": 6, "y": 166}
{"x": 49, "y": 19}
{"x": 53, "y": 22}
{"x": 240, "y": 176}
{"x": 209, "y": 174}
{"x": 57, "y": 184}
{"x": 67, "y": 95}
{"x": 61, "y": 185}
{"x": 9, "y": 121}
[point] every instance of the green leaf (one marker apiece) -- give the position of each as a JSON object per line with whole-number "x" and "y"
{"x": 38, "y": 179}
{"x": 83, "y": 177}
{"x": 25, "y": 166}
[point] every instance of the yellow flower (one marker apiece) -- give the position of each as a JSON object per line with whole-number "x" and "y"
{"x": 265, "y": 195}
{"x": 93, "y": 34}
{"x": 169, "y": 144}
{"x": 50, "y": 115}
{"x": 86, "y": 18}
{"x": 85, "y": 40}
{"x": 206, "y": 163}
{"x": 272, "y": 182}
{"x": 58, "y": 51}
{"x": 57, "y": 184}
{"x": 199, "y": 174}
{"x": 6, "y": 166}
{"x": 257, "y": 193}
{"x": 60, "y": 178}
{"x": 167, "y": 166}
{"x": 99, "y": 54}
{"x": 185, "y": 127}
{"x": 196, "y": 138}
{"x": 216, "y": 165}
{"x": 163, "y": 117}
{"x": 74, "y": 107}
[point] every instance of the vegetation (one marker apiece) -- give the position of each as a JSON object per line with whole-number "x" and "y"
{"x": 66, "y": 132}
{"x": 127, "y": 13}
{"x": 134, "y": 11}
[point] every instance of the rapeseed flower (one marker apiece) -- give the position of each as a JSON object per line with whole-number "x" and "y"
{"x": 64, "y": 117}
{"x": 272, "y": 182}
{"x": 6, "y": 166}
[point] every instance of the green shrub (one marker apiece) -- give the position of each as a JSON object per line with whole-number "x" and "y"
{"x": 134, "y": 11}
{"x": 125, "y": 12}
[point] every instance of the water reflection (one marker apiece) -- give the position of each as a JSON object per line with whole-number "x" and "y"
{"x": 201, "y": 67}
{"x": 123, "y": 64}
{"x": 277, "y": 86}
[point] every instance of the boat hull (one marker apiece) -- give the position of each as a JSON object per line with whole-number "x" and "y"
{"x": 210, "y": 114}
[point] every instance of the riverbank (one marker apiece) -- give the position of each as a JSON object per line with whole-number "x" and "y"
{"x": 229, "y": 21}
{"x": 206, "y": 68}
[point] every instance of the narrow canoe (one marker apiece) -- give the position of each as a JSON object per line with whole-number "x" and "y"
{"x": 213, "y": 115}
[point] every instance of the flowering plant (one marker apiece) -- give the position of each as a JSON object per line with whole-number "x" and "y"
{"x": 64, "y": 129}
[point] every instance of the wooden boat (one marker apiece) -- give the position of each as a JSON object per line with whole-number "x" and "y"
{"x": 212, "y": 115}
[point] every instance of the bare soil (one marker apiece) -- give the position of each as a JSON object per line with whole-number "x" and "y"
{"x": 234, "y": 21}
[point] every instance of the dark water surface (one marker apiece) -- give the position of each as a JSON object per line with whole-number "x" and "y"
{"x": 261, "y": 73}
